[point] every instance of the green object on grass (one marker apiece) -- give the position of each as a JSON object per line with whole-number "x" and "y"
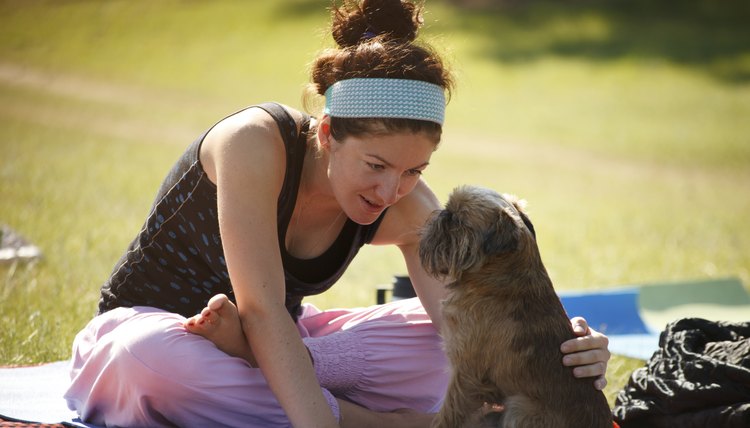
{"x": 719, "y": 300}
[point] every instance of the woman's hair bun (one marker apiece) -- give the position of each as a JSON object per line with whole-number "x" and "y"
{"x": 355, "y": 21}
{"x": 376, "y": 39}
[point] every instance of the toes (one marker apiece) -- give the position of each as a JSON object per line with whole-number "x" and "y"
{"x": 217, "y": 302}
{"x": 204, "y": 319}
{"x": 201, "y": 326}
{"x": 191, "y": 324}
{"x": 208, "y": 314}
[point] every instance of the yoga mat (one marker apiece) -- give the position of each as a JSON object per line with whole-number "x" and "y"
{"x": 615, "y": 312}
{"x": 35, "y": 394}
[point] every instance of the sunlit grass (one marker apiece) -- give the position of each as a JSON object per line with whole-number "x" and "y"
{"x": 71, "y": 194}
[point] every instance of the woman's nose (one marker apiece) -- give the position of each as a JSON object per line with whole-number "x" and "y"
{"x": 388, "y": 190}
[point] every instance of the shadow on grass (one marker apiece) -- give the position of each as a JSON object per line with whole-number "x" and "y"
{"x": 705, "y": 35}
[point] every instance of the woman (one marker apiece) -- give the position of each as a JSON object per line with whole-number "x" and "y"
{"x": 271, "y": 205}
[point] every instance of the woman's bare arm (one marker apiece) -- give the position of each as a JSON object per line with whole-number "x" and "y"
{"x": 401, "y": 227}
{"x": 244, "y": 156}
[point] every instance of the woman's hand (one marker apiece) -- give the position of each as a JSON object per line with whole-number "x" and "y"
{"x": 587, "y": 353}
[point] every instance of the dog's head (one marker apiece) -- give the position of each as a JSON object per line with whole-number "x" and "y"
{"x": 475, "y": 224}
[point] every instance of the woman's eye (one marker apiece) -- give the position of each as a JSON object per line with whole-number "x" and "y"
{"x": 375, "y": 166}
{"x": 413, "y": 172}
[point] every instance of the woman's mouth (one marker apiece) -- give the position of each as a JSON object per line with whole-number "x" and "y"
{"x": 371, "y": 206}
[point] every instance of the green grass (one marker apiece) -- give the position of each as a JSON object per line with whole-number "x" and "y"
{"x": 620, "y": 121}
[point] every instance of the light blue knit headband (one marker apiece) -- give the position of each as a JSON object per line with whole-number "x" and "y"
{"x": 392, "y": 98}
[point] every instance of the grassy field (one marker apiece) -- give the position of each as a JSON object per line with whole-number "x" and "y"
{"x": 619, "y": 121}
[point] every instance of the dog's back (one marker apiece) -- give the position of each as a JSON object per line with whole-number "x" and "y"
{"x": 548, "y": 395}
{"x": 530, "y": 324}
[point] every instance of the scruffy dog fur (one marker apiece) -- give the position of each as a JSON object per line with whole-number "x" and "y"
{"x": 503, "y": 321}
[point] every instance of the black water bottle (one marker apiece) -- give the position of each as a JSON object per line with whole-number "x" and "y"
{"x": 401, "y": 288}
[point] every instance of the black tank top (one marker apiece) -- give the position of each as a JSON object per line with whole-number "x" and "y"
{"x": 177, "y": 260}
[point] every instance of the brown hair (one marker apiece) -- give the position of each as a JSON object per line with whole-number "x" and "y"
{"x": 376, "y": 39}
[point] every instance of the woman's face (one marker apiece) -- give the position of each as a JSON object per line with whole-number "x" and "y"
{"x": 372, "y": 172}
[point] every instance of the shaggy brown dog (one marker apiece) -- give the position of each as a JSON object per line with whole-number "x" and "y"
{"x": 504, "y": 323}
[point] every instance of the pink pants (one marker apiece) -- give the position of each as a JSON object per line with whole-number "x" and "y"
{"x": 139, "y": 367}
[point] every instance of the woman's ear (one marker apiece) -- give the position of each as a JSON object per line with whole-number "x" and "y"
{"x": 324, "y": 132}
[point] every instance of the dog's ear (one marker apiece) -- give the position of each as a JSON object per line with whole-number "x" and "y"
{"x": 520, "y": 206}
{"x": 449, "y": 246}
{"x": 504, "y": 236}
{"x": 507, "y": 234}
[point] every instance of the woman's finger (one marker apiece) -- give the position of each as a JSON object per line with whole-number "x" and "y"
{"x": 585, "y": 358}
{"x": 600, "y": 383}
{"x": 592, "y": 370}
{"x": 595, "y": 340}
{"x": 580, "y": 326}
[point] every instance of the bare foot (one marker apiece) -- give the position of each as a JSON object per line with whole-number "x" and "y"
{"x": 219, "y": 322}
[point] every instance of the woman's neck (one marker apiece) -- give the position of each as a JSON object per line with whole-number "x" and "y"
{"x": 318, "y": 217}
{"x": 315, "y": 186}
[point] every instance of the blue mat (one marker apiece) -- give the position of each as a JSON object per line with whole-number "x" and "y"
{"x": 612, "y": 312}
{"x": 36, "y": 394}
{"x": 615, "y": 313}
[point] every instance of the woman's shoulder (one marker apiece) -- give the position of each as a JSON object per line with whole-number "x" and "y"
{"x": 404, "y": 220}
{"x": 250, "y": 136}
{"x": 254, "y": 121}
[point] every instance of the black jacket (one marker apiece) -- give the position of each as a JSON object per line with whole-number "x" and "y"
{"x": 700, "y": 377}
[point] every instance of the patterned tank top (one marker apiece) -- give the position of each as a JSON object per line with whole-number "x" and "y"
{"x": 177, "y": 262}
